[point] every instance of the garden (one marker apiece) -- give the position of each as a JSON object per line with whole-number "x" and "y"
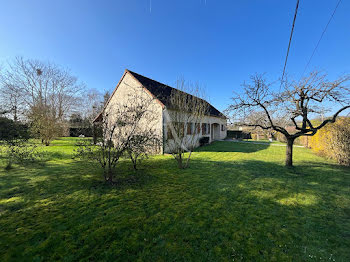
{"x": 235, "y": 202}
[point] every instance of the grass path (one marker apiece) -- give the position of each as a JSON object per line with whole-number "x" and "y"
{"x": 236, "y": 202}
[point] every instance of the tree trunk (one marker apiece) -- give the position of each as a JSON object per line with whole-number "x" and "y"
{"x": 188, "y": 159}
{"x": 134, "y": 163}
{"x": 133, "y": 159}
{"x": 105, "y": 174}
{"x": 94, "y": 133}
{"x": 110, "y": 175}
{"x": 289, "y": 151}
{"x": 179, "y": 160}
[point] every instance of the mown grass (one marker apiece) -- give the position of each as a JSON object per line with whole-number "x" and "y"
{"x": 236, "y": 202}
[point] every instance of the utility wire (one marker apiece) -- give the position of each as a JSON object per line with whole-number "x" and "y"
{"x": 290, "y": 40}
{"x": 319, "y": 40}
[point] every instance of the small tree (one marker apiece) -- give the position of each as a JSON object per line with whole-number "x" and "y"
{"x": 141, "y": 145}
{"x": 125, "y": 128}
{"x": 14, "y": 142}
{"x": 293, "y": 105}
{"x": 45, "y": 124}
{"x": 184, "y": 117}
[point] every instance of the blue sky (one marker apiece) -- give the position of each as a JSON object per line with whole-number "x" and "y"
{"x": 216, "y": 43}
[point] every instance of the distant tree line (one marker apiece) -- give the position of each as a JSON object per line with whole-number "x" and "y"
{"x": 47, "y": 98}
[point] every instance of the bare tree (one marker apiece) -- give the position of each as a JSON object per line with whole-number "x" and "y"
{"x": 31, "y": 84}
{"x": 91, "y": 103}
{"x": 44, "y": 123}
{"x": 11, "y": 101}
{"x": 294, "y": 105}
{"x": 184, "y": 118}
{"x": 126, "y": 126}
{"x": 142, "y": 144}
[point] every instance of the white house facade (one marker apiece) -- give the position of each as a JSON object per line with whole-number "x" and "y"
{"x": 213, "y": 125}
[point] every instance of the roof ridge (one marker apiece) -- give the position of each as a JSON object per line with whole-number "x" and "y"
{"x": 132, "y": 72}
{"x": 149, "y": 87}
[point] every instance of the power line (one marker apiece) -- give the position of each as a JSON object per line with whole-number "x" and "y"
{"x": 324, "y": 30}
{"x": 290, "y": 40}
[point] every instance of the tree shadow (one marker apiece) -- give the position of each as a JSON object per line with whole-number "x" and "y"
{"x": 224, "y": 146}
{"x": 248, "y": 210}
{"x": 71, "y": 176}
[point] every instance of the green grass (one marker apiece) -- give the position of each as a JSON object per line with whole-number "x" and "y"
{"x": 236, "y": 202}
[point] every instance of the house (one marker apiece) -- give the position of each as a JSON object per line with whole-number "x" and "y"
{"x": 213, "y": 124}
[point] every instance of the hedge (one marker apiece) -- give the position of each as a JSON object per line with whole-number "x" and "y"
{"x": 333, "y": 141}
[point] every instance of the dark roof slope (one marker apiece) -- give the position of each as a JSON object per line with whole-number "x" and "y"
{"x": 162, "y": 92}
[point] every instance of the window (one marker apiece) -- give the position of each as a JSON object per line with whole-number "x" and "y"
{"x": 179, "y": 129}
{"x": 198, "y": 128}
{"x": 169, "y": 133}
{"x": 222, "y": 128}
{"x": 190, "y": 129}
{"x": 204, "y": 128}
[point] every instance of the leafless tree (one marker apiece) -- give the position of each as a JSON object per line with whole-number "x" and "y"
{"x": 11, "y": 102}
{"x": 294, "y": 105}
{"x": 141, "y": 144}
{"x": 31, "y": 84}
{"x": 44, "y": 123}
{"x": 91, "y": 103}
{"x": 185, "y": 116}
{"x": 127, "y": 126}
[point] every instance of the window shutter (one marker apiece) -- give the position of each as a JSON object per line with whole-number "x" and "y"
{"x": 189, "y": 128}
{"x": 198, "y": 128}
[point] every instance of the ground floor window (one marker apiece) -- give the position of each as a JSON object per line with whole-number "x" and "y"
{"x": 169, "y": 133}
{"x": 198, "y": 128}
{"x": 190, "y": 128}
{"x": 205, "y": 129}
{"x": 177, "y": 127}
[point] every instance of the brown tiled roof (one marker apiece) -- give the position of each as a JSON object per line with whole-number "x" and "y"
{"x": 163, "y": 92}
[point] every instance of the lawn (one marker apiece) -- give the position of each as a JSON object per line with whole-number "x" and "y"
{"x": 236, "y": 202}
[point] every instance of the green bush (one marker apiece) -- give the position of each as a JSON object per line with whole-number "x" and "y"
{"x": 14, "y": 140}
{"x": 10, "y": 130}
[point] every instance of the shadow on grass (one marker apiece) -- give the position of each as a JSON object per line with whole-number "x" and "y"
{"x": 52, "y": 155}
{"x": 71, "y": 176}
{"x": 214, "y": 210}
{"x": 222, "y": 146}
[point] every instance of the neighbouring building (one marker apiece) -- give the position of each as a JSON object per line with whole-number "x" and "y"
{"x": 213, "y": 126}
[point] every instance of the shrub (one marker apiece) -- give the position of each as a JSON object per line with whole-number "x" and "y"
{"x": 20, "y": 152}
{"x": 302, "y": 141}
{"x": 10, "y": 130}
{"x": 340, "y": 142}
{"x": 14, "y": 138}
{"x": 333, "y": 141}
{"x": 254, "y": 136}
{"x": 203, "y": 141}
